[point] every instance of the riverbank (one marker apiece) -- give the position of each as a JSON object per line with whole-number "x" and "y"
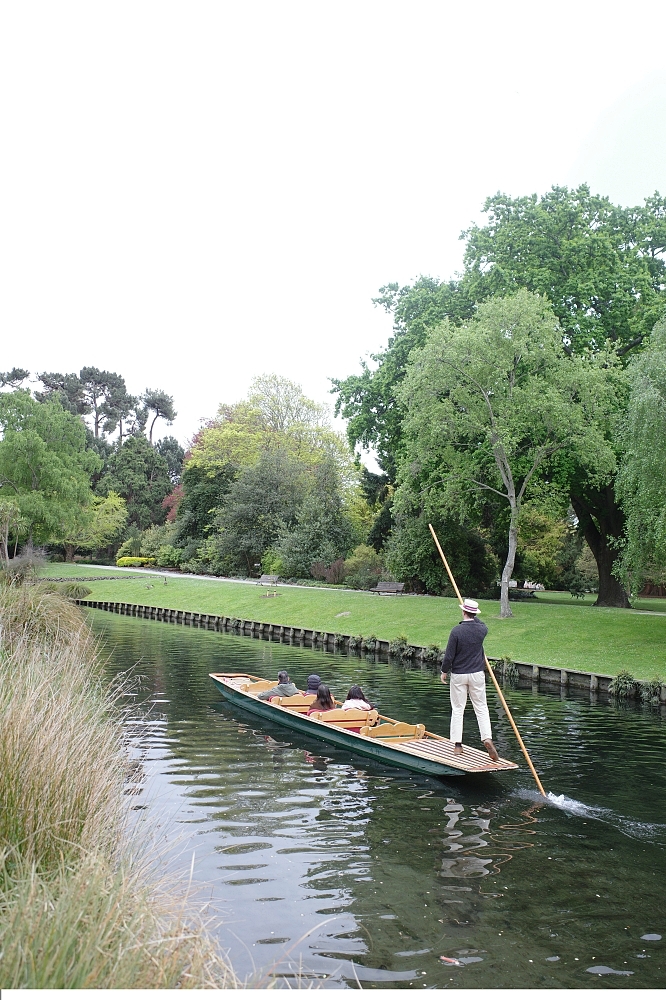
{"x": 550, "y": 630}
{"x": 80, "y": 904}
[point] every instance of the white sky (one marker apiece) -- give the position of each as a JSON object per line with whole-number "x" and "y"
{"x": 195, "y": 193}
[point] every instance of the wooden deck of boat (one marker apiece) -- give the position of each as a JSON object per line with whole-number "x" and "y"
{"x": 470, "y": 759}
{"x": 429, "y": 747}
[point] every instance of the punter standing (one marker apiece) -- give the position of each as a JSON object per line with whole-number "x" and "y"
{"x": 465, "y": 660}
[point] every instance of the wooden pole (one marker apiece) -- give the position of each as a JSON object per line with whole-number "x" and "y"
{"x": 492, "y": 673}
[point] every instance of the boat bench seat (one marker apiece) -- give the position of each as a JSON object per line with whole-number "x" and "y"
{"x": 256, "y": 687}
{"x": 297, "y": 702}
{"x": 350, "y": 718}
{"x": 396, "y": 732}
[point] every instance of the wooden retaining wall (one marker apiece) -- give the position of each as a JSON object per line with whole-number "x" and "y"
{"x": 538, "y": 674}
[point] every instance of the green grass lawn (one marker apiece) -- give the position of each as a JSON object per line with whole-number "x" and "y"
{"x": 554, "y": 630}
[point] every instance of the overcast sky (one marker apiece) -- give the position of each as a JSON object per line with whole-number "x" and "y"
{"x": 195, "y": 193}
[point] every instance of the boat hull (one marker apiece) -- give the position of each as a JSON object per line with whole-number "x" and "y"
{"x": 391, "y": 755}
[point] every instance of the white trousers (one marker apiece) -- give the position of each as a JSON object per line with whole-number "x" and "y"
{"x": 474, "y": 685}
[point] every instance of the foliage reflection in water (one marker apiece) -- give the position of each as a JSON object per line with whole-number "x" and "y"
{"x": 324, "y": 865}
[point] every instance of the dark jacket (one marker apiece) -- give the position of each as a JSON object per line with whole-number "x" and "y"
{"x": 280, "y": 691}
{"x": 464, "y": 650}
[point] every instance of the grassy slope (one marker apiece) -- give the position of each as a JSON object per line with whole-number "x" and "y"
{"x": 553, "y": 630}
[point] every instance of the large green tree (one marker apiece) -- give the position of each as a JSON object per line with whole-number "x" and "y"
{"x": 602, "y": 269}
{"x": 44, "y": 464}
{"x": 263, "y": 502}
{"x": 490, "y": 403}
{"x": 96, "y": 525}
{"x": 641, "y": 483}
{"x": 322, "y": 532}
{"x": 139, "y": 474}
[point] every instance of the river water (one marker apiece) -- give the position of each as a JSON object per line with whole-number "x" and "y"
{"x": 323, "y": 868}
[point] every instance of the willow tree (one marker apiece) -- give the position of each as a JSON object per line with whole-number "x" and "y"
{"x": 491, "y": 403}
{"x": 641, "y": 482}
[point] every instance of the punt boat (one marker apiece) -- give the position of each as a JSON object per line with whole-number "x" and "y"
{"x": 367, "y": 733}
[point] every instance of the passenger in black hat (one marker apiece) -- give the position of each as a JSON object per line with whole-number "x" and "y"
{"x": 314, "y": 680}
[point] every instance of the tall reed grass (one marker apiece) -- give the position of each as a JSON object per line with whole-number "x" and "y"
{"x": 78, "y": 909}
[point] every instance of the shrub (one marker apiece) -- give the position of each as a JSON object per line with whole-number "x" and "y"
{"x": 334, "y": 573}
{"x": 507, "y": 670}
{"x": 650, "y": 692}
{"x": 169, "y": 555}
{"x": 135, "y": 561}
{"x": 355, "y": 642}
{"x": 78, "y": 911}
{"x": 363, "y": 569}
{"x": 397, "y": 645}
{"x": 23, "y": 568}
{"x": 369, "y": 644}
{"x": 74, "y": 591}
{"x": 623, "y": 685}
{"x": 432, "y": 654}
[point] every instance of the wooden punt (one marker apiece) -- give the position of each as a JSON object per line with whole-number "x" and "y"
{"x": 389, "y": 741}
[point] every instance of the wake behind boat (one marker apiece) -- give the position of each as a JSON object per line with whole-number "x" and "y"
{"x": 381, "y": 738}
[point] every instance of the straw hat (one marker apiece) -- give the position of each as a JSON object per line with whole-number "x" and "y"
{"x": 469, "y": 606}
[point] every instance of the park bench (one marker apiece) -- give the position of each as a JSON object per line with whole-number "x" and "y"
{"x": 267, "y": 581}
{"x": 386, "y": 587}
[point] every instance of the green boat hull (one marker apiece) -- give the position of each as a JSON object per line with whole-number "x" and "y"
{"x": 392, "y": 756}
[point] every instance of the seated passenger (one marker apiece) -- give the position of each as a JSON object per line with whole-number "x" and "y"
{"x": 314, "y": 680}
{"x": 283, "y": 689}
{"x": 356, "y": 699}
{"x": 323, "y": 702}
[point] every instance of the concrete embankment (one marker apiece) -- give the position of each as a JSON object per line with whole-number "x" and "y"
{"x": 595, "y": 684}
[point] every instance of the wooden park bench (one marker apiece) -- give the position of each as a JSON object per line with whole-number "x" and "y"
{"x": 386, "y": 587}
{"x": 267, "y": 581}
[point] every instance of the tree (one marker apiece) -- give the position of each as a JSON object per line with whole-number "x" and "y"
{"x": 44, "y": 463}
{"x": 276, "y": 416}
{"x": 66, "y": 389}
{"x": 100, "y": 393}
{"x": 369, "y": 401}
{"x": 170, "y": 450}
{"x": 490, "y": 403}
{"x": 321, "y": 532}
{"x": 602, "y": 268}
{"x": 641, "y": 483}
{"x": 10, "y": 520}
{"x": 139, "y": 474}
{"x": 261, "y": 503}
{"x": 96, "y": 525}
{"x": 157, "y": 401}
{"x": 121, "y": 409}
{"x": 100, "y": 389}
{"x": 13, "y": 379}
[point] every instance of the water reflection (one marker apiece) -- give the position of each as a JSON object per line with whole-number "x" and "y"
{"x": 325, "y": 866}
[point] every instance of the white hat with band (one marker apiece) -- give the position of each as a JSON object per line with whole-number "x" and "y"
{"x": 469, "y": 606}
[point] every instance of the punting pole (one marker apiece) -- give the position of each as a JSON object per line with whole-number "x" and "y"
{"x": 492, "y": 673}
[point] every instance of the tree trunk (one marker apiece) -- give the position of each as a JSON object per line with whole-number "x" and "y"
{"x": 602, "y": 522}
{"x": 69, "y": 552}
{"x": 505, "y": 610}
